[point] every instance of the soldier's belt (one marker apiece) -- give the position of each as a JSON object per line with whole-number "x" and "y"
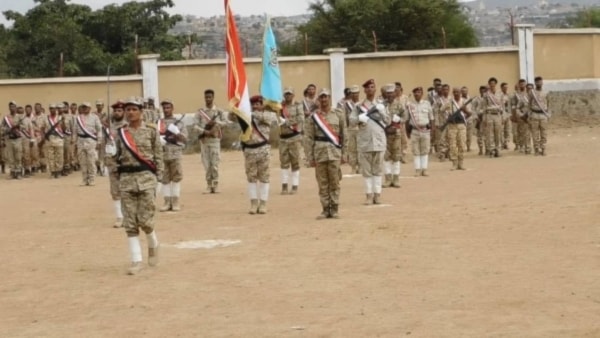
{"x": 253, "y": 145}
{"x": 537, "y": 111}
{"x": 321, "y": 139}
{"x": 132, "y": 169}
{"x": 290, "y": 135}
{"x": 14, "y": 137}
{"x": 84, "y": 136}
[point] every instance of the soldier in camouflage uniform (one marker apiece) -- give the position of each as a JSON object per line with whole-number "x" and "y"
{"x": 394, "y": 133}
{"x": 87, "y": 135}
{"x": 506, "y": 123}
{"x": 442, "y": 110}
{"x": 151, "y": 113}
{"x": 117, "y": 120}
{"x": 352, "y": 132}
{"x": 291, "y": 121}
{"x": 54, "y": 143}
{"x": 257, "y": 155}
{"x": 37, "y": 153}
{"x": 173, "y": 136}
{"x": 493, "y": 108}
{"x": 139, "y": 156}
{"x": 471, "y": 120}
{"x": 69, "y": 126}
{"x": 210, "y": 122}
{"x": 102, "y": 115}
{"x": 28, "y": 140}
{"x": 420, "y": 121}
{"x": 540, "y": 115}
{"x": 520, "y": 105}
{"x": 457, "y": 130}
{"x": 480, "y": 121}
{"x": 12, "y": 126}
{"x": 326, "y": 145}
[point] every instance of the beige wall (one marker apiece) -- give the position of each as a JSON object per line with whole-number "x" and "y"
{"x": 460, "y": 67}
{"x": 566, "y": 54}
{"x": 58, "y": 90}
{"x": 185, "y": 82}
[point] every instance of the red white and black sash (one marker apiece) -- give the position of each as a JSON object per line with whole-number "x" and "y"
{"x": 535, "y": 97}
{"x": 350, "y": 106}
{"x": 459, "y": 107}
{"x": 492, "y": 98}
{"x": 54, "y": 125}
{"x": 286, "y": 115}
{"x": 130, "y": 145}
{"x": 86, "y": 131}
{"x": 161, "y": 126}
{"x": 324, "y": 126}
{"x": 258, "y": 132}
{"x": 10, "y": 125}
{"x": 205, "y": 116}
{"x": 365, "y": 110}
{"x": 412, "y": 117}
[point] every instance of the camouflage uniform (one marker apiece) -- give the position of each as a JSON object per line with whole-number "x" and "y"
{"x": 493, "y": 107}
{"x": 506, "y": 123}
{"x": 28, "y": 140}
{"x": 352, "y": 136}
{"x": 538, "y": 120}
{"x": 290, "y": 142}
{"x": 210, "y": 123}
{"x": 38, "y": 160}
{"x": 395, "y": 133}
{"x": 151, "y": 115}
{"x": 442, "y": 110}
{"x": 12, "y": 125}
{"x": 309, "y": 106}
{"x": 172, "y": 153}
{"x": 54, "y": 145}
{"x": 68, "y": 125}
{"x": 471, "y": 124}
{"x": 457, "y": 135}
{"x": 371, "y": 146}
{"x": 327, "y": 158}
{"x": 102, "y": 116}
{"x": 87, "y": 135}
{"x": 521, "y": 104}
{"x": 420, "y": 115}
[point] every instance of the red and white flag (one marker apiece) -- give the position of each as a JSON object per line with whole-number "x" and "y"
{"x": 237, "y": 84}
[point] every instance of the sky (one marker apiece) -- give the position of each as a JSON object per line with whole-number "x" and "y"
{"x": 203, "y": 8}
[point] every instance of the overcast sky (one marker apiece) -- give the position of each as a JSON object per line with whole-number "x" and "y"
{"x": 192, "y": 7}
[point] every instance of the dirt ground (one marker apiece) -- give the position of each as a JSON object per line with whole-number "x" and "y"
{"x": 509, "y": 248}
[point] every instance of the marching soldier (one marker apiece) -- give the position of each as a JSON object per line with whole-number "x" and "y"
{"x": 326, "y": 143}
{"x": 352, "y": 132}
{"x": 151, "y": 113}
{"x": 442, "y": 110}
{"x": 457, "y": 129}
{"x": 53, "y": 130}
{"x": 12, "y": 126}
{"x": 87, "y": 136}
{"x": 68, "y": 125}
{"x": 210, "y": 122}
{"x": 538, "y": 105}
{"x": 28, "y": 140}
{"x": 372, "y": 120}
{"x": 493, "y": 108}
{"x": 139, "y": 156}
{"x": 520, "y": 103}
{"x": 471, "y": 120}
{"x": 420, "y": 115}
{"x": 347, "y": 97}
{"x": 117, "y": 121}
{"x": 102, "y": 116}
{"x": 480, "y": 120}
{"x": 173, "y": 136}
{"x": 37, "y": 136}
{"x": 257, "y": 155}
{"x": 506, "y": 123}
{"x": 393, "y": 131}
{"x": 291, "y": 121}
{"x": 39, "y": 153}
{"x": 403, "y": 100}
{"x": 74, "y": 110}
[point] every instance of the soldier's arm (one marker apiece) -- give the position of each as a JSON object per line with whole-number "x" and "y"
{"x": 199, "y": 123}
{"x": 157, "y": 150}
{"x": 220, "y": 120}
{"x": 343, "y": 136}
{"x": 354, "y": 116}
{"x": 265, "y": 117}
{"x": 99, "y": 131}
{"x": 309, "y": 140}
{"x": 183, "y": 135}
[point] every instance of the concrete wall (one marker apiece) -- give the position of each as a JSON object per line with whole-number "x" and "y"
{"x": 567, "y": 53}
{"x": 185, "y": 81}
{"x": 52, "y": 90}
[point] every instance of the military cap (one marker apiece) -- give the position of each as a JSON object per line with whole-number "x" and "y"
{"x": 166, "y": 101}
{"x": 256, "y": 98}
{"x": 12, "y": 103}
{"x": 60, "y": 105}
{"x": 99, "y": 102}
{"x": 132, "y": 101}
{"x": 86, "y": 104}
{"x": 150, "y": 98}
{"x": 390, "y": 88}
{"x": 354, "y": 89}
{"x": 52, "y": 105}
{"x": 324, "y": 91}
{"x": 288, "y": 90}
{"x": 416, "y": 89}
{"x": 368, "y": 83}
{"x": 118, "y": 104}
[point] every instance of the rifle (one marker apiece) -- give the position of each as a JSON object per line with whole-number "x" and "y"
{"x": 209, "y": 125}
{"x": 456, "y": 115}
{"x": 52, "y": 128}
{"x": 169, "y": 137}
{"x": 14, "y": 129}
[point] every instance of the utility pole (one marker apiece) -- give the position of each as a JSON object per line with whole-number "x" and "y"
{"x": 305, "y": 43}
{"x": 443, "y": 37}
{"x": 374, "y": 41}
{"x": 511, "y": 25}
{"x": 61, "y": 65}
{"x": 135, "y": 61}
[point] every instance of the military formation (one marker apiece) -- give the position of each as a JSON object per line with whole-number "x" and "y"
{"x": 139, "y": 147}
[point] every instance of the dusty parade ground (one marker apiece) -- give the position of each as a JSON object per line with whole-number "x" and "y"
{"x": 509, "y": 248}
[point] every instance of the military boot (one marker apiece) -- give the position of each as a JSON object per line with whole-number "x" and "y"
{"x": 175, "y": 204}
{"x": 461, "y": 165}
{"x": 396, "y": 181}
{"x": 3, "y": 167}
{"x": 253, "y": 206}
{"x": 262, "y": 207}
{"x": 27, "y": 173}
{"x": 387, "y": 181}
{"x": 543, "y": 152}
{"x": 153, "y": 256}
{"x": 294, "y": 190}
{"x": 135, "y": 268}
{"x": 369, "y": 199}
{"x": 284, "y": 189}
{"x": 324, "y": 214}
{"x": 376, "y": 198}
{"x": 333, "y": 213}
{"x": 454, "y": 165}
{"x": 213, "y": 188}
{"x": 424, "y": 172}
{"x": 167, "y": 205}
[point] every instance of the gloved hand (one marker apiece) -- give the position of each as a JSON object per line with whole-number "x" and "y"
{"x": 163, "y": 141}
{"x": 110, "y": 149}
{"x": 174, "y": 129}
{"x": 381, "y": 108}
{"x": 282, "y": 121}
{"x": 396, "y": 119}
{"x": 363, "y": 118}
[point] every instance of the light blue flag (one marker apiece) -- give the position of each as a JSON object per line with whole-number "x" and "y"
{"x": 270, "y": 84}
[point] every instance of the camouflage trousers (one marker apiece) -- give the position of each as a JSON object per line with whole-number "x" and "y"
{"x": 173, "y": 171}
{"x": 524, "y": 131}
{"x": 328, "y": 176}
{"x": 420, "y": 142}
{"x": 35, "y": 155}
{"x": 371, "y": 163}
{"x": 393, "y": 151}
{"x": 14, "y": 154}
{"x": 138, "y": 210}
{"x": 493, "y": 128}
{"x": 481, "y": 135}
{"x": 68, "y": 153}
{"x": 471, "y": 133}
{"x": 27, "y": 149}
{"x": 457, "y": 139}
{"x": 506, "y": 130}
{"x": 54, "y": 154}
{"x": 101, "y": 154}
{"x": 539, "y": 125}
{"x": 257, "y": 164}
{"x": 353, "y": 148}
{"x": 86, "y": 152}
{"x": 441, "y": 143}
{"x": 289, "y": 153}
{"x": 210, "y": 152}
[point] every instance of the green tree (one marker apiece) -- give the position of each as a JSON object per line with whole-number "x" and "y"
{"x": 88, "y": 40}
{"x": 585, "y": 18}
{"x": 396, "y": 25}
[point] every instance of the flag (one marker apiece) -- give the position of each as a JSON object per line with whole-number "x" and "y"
{"x": 237, "y": 85}
{"x": 270, "y": 84}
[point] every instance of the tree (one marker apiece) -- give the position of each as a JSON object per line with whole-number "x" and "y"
{"x": 585, "y": 18}
{"x": 395, "y": 24}
{"x": 88, "y": 40}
